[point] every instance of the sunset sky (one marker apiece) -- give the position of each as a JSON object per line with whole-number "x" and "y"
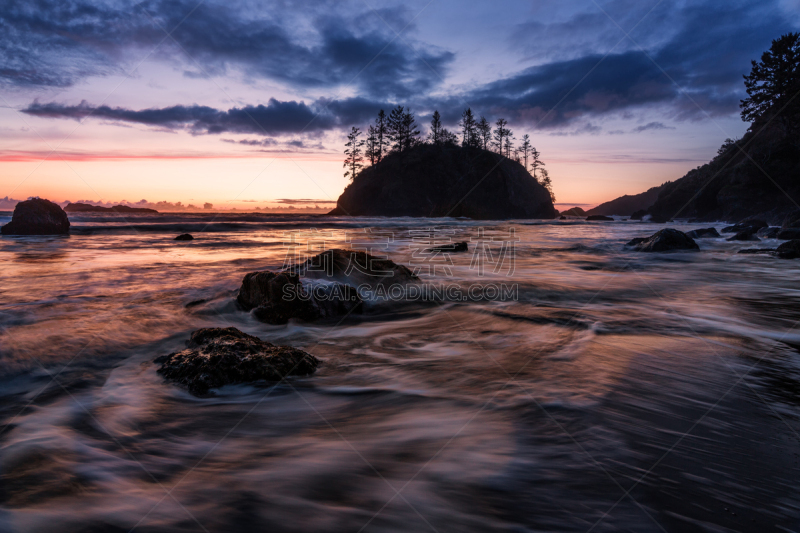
{"x": 244, "y": 103}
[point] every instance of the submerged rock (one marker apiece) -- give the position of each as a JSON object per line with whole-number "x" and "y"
{"x": 664, "y": 240}
{"x": 704, "y": 233}
{"x": 276, "y": 297}
{"x": 454, "y": 247}
{"x": 600, "y": 218}
{"x": 184, "y": 237}
{"x": 37, "y": 217}
{"x": 757, "y": 251}
{"x": 789, "y": 250}
{"x": 224, "y": 356}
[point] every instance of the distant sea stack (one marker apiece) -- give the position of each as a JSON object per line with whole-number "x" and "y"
{"x": 37, "y": 217}
{"x": 446, "y": 181}
{"x": 88, "y": 208}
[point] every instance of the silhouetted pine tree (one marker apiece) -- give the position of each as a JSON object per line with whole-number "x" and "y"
{"x": 352, "y": 152}
{"x": 500, "y": 133}
{"x": 394, "y": 128}
{"x": 371, "y": 149}
{"x": 469, "y": 128}
{"x": 435, "y": 135}
{"x": 536, "y": 163}
{"x": 525, "y": 149}
{"x": 382, "y": 134}
{"x": 484, "y": 133}
{"x": 547, "y": 184}
{"x": 774, "y": 82}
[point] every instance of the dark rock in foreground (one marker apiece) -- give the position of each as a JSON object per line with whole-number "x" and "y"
{"x": 224, "y": 356}
{"x": 184, "y": 237}
{"x": 446, "y": 181}
{"x": 454, "y": 247}
{"x": 89, "y": 208}
{"x": 277, "y": 297}
{"x": 704, "y": 233}
{"x": 663, "y": 241}
{"x": 789, "y": 250}
{"x": 37, "y": 217}
{"x": 600, "y": 217}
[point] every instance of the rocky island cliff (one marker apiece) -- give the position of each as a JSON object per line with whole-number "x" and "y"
{"x": 446, "y": 181}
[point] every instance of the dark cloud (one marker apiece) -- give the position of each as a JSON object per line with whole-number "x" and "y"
{"x": 58, "y": 42}
{"x": 652, "y": 126}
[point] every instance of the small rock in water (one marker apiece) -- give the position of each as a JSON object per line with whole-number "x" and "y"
{"x": 663, "y": 241}
{"x": 748, "y": 234}
{"x": 225, "y": 356}
{"x": 37, "y": 217}
{"x": 789, "y": 250}
{"x": 703, "y": 233}
{"x": 755, "y": 225}
{"x": 184, "y": 237}
{"x": 768, "y": 233}
{"x": 454, "y": 247}
{"x": 757, "y": 251}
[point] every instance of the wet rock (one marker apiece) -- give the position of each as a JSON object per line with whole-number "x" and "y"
{"x": 638, "y": 215}
{"x": 184, "y": 237}
{"x": 224, "y": 356}
{"x": 745, "y": 225}
{"x": 276, "y": 297}
{"x": 768, "y": 233}
{"x": 789, "y": 234}
{"x": 664, "y": 240}
{"x": 454, "y": 247}
{"x": 704, "y": 233}
{"x": 562, "y": 217}
{"x": 355, "y": 268}
{"x": 789, "y": 250}
{"x": 600, "y": 218}
{"x": 37, "y": 217}
{"x": 636, "y": 240}
{"x": 748, "y": 234}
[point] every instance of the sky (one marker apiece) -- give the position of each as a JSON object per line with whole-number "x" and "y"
{"x": 243, "y": 103}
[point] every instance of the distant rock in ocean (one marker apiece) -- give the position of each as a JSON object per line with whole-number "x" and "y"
{"x": 574, "y": 212}
{"x": 37, "y": 217}
{"x": 453, "y": 181}
{"x": 88, "y": 208}
{"x": 224, "y": 356}
{"x": 184, "y": 237}
{"x": 663, "y": 241}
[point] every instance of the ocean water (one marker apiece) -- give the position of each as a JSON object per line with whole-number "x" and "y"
{"x": 607, "y": 390}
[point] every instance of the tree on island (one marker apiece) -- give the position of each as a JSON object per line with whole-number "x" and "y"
{"x": 435, "y": 135}
{"x": 371, "y": 151}
{"x": 381, "y": 133}
{"x": 773, "y": 82}
{"x": 352, "y": 152}
{"x": 448, "y": 137}
{"x": 469, "y": 128}
{"x": 484, "y": 133}
{"x": 500, "y": 133}
{"x": 525, "y": 149}
{"x": 402, "y": 129}
{"x": 547, "y": 184}
{"x": 536, "y": 163}
{"x": 509, "y": 145}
